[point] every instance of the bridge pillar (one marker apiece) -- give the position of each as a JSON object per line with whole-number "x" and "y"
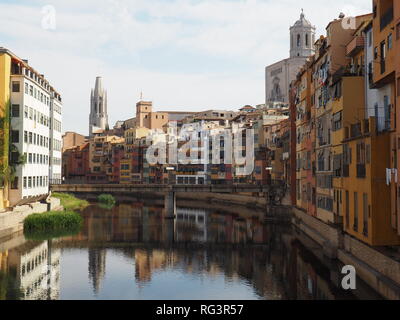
{"x": 170, "y": 205}
{"x": 169, "y": 231}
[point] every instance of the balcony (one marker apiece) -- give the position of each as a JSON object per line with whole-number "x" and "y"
{"x": 355, "y": 46}
{"x": 387, "y": 18}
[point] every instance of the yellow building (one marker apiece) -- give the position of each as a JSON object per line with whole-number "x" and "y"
{"x": 5, "y": 76}
{"x": 366, "y": 199}
{"x": 125, "y": 171}
{"x": 384, "y": 80}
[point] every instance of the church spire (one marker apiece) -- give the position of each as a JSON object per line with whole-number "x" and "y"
{"x": 98, "y": 118}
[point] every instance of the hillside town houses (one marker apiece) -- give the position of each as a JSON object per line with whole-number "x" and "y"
{"x": 328, "y": 130}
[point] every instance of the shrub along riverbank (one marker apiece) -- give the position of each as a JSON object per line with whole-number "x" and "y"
{"x": 52, "y": 224}
{"x": 56, "y": 224}
{"x": 70, "y": 202}
{"x": 107, "y": 200}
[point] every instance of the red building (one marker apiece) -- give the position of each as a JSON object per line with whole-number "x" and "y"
{"x": 117, "y": 155}
{"x": 76, "y": 164}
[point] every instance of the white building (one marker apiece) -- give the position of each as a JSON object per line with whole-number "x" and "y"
{"x": 35, "y": 132}
{"x": 56, "y": 138}
{"x": 279, "y": 75}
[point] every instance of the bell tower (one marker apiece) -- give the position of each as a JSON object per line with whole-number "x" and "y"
{"x": 302, "y": 38}
{"x": 98, "y": 118}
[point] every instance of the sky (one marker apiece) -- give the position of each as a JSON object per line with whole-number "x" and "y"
{"x": 184, "y": 55}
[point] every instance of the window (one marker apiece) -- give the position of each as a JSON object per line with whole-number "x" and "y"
{"x": 337, "y": 121}
{"x": 376, "y": 53}
{"x": 29, "y": 182}
{"x": 14, "y": 184}
{"x": 365, "y": 214}
{"x": 15, "y": 111}
{"x": 370, "y": 39}
{"x": 398, "y": 87}
{"x": 14, "y": 157}
{"x": 25, "y": 183}
{"x": 390, "y": 41}
{"x": 15, "y": 86}
{"x": 307, "y": 40}
{"x": 298, "y": 40}
{"x": 26, "y": 136}
{"x": 398, "y": 31}
{"x": 26, "y": 112}
{"x": 355, "y": 221}
{"x": 15, "y": 136}
{"x": 26, "y": 88}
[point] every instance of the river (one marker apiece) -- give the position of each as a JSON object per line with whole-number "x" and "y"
{"x": 132, "y": 252}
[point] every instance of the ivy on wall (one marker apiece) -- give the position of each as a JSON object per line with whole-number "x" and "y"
{"x": 5, "y": 170}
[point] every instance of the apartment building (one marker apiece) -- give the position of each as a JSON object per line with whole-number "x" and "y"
{"x": 305, "y": 140}
{"x": 101, "y": 158}
{"x": 35, "y": 109}
{"x": 55, "y": 147}
{"x": 75, "y": 163}
{"x": 352, "y": 94}
{"x": 384, "y": 80}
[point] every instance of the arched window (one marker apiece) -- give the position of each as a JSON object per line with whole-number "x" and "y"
{"x": 298, "y": 40}
{"x": 306, "y": 40}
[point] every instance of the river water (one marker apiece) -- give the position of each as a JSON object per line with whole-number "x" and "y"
{"x": 132, "y": 252}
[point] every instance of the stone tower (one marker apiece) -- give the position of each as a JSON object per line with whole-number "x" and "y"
{"x": 302, "y": 38}
{"x": 98, "y": 118}
{"x": 279, "y": 75}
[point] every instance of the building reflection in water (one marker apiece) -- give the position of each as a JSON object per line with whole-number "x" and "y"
{"x": 97, "y": 267}
{"x": 32, "y": 270}
{"x": 270, "y": 258}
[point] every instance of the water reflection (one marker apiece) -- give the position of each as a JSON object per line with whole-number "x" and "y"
{"x": 32, "y": 271}
{"x": 132, "y": 252}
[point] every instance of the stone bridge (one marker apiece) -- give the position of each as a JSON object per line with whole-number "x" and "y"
{"x": 274, "y": 192}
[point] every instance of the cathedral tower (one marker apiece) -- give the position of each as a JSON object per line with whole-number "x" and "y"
{"x": 98, "y": 118}
{"x": 279, "y": 75}
{"x": 302, "y": 38}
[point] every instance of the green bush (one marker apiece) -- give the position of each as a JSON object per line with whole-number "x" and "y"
{"x": 106, "y": 199}
{"x": 70, "y": 202}
{"x": 53, "y": 224}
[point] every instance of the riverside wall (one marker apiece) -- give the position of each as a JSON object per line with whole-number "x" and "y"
{"x": 13, "y": 221}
